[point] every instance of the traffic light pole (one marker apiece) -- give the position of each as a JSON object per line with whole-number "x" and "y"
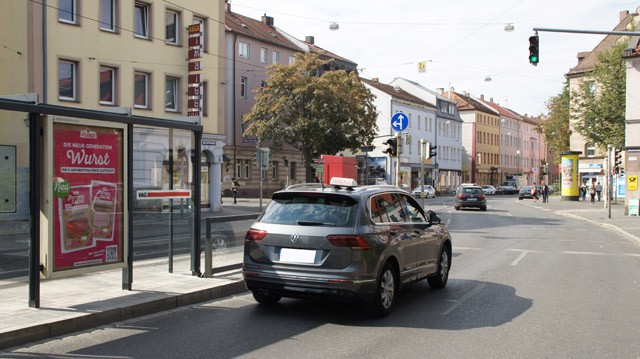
{"x": 398, "y": 138}
{"x": 630, "y": 33}
{"x": 609, "y": 180}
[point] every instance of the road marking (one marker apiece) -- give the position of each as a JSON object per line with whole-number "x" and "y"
{"x": 461, "y": 301}
{"x": 515, "y": 261}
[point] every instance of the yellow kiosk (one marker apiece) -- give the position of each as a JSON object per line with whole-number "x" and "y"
{"x": 570, "y": 178}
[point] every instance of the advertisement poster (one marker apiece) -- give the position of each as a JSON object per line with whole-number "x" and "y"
{"x": 88, "y": 196}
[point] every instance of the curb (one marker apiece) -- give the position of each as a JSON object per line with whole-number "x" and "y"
{"x": 608, "y": 226}
{"x": 92, "y": 320}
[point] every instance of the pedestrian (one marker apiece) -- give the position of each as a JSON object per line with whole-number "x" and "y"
{"x": 234, "y": 189}
{"x": 592, "y": 192}
{"x": 534, "y": 192}
{"x": 598, "y": 190}
{"x": 545, "y": 193}
{"x": 583, "y": 191}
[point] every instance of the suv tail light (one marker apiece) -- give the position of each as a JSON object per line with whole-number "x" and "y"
{"x": 462, "y": 196}
{"x": 255, "y": 235}
{"x": 355, "y": 242}
{"x": 482, "y": 196}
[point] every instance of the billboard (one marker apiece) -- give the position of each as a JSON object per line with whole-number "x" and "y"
{"x": 87, "y": 177}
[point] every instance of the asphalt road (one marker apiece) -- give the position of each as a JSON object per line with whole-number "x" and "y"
{"x": 525, "y": 283}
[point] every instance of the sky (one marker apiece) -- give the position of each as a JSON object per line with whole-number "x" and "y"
{"x": 463, "y": 41}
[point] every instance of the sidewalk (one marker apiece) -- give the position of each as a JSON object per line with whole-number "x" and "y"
{"x": 87, "y": 301}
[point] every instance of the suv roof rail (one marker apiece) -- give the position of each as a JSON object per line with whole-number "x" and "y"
{"x": 306, "y": 185}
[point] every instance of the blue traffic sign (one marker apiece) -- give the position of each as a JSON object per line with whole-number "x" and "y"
{"x": 399, "y": 121}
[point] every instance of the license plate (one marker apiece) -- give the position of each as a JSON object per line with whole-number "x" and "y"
{"x": 293, "y": 255}
{"x": 471, "y": 199}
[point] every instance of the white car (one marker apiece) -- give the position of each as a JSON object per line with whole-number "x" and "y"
{"x": 489, "y": 189}
{"x": 429, "y": 191}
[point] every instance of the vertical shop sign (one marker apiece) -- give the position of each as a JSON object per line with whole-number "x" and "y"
{"x": 194, "y": 92}
{"x": 88, "y": 196}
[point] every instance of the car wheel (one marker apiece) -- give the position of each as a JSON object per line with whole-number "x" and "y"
{"x": 520, "y": 198}
{"x": 265, "y": 297}
{"x": 483, "y": 208}
{"x": 439, "y": 279}
{"x": 386, "y": 291}
{"x": 457, "y": 208}
{"x": 218, "y": 243}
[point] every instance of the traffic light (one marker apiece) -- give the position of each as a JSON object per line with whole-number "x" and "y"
{"x": 617, "y": 160}
{"x": 392, "y": 147}
{"x": 534, "y": 50}
{"x": 432, "y": 150}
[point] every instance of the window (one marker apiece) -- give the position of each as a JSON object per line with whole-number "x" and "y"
{"x": 274, "y": 170}
{"x": 292, "y": 170}
{"x": 203, "y": 30}
{"x": 264, "y": 55}
{"x": 108, "y": 15}
{"x": 67, "y": 11}
{"x": 263, "y": 84}
{"x": 247, "y": 169}
{"x": 171, "y": 27}
{"x": 171, "y": 94}
{"x": 590, "y": 150}
{"x": 67, "y": 82}
{"x": 141, "y": 90}
{"x": 275, "y": 57}
{"x": 141, "y": 20}
{"x": 292, "y": 59}
{"x": 243, "y": 87}
{"x": 107, "y": 85}
{"x": 243, "y": 50}
{"x": 386, "y": 208}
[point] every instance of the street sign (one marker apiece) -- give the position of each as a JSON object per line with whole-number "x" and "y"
{"x": 534, "y": 169}
{"x": 399, "y": 121}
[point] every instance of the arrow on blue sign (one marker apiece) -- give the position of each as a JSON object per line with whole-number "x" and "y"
{"x": 399, "y": 121}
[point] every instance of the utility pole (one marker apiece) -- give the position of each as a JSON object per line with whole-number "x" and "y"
{"x": 398, "y": 138}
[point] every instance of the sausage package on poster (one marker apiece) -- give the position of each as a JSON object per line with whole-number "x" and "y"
{"x": 75, "y": 220}
{"x": 103, "y": 207}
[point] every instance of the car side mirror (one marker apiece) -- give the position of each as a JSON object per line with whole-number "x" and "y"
{"x": 433, "y": 217}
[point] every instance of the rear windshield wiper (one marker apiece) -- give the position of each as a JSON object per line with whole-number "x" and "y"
{"x": 313, "y": 223}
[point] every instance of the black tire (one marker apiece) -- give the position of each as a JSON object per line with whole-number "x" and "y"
{"x": 483, "y": 208}
{"x": 520, "y": 198}
{"x": 457, "y": 208}
{"x": 264, "y": 297}
{"x": 386, "y": 292}
{"x": 439, "y": 279}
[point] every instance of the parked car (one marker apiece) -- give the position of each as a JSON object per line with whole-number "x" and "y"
{"x": 525, "y": 192}
{"x": 344, "y": 242}
{"x": 470, "y": 196}
{"x": 429, "y": 191}
{"x": 489, "y": 189}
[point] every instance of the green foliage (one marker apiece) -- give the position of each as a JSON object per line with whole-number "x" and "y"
{"x": 315, "y": 114}
{"x": 555, "y": 128}
{"x": 599, "y": 103}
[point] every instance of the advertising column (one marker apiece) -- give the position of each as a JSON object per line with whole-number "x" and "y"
{"x": 88, "y": 202}
{"x": 570, "y": 176}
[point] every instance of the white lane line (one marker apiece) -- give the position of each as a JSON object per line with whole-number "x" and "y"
{"x": 460, "y": 301}
{"x": 515, "y": 261}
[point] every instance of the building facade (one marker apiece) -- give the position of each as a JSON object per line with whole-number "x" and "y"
{"x": 126, "y": 57}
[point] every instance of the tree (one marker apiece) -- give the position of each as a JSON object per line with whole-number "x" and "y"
{"x": 599, "y": 102}
{"x": 555, "y": 127}
{"x": 315, "y": 113}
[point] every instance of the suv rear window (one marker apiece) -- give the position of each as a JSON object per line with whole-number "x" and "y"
{"x": 472, "y": 190}
{"x": 311, "y": 209}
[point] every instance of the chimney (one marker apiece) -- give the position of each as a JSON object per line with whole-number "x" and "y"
{"x": 440, "y": 90}
{"x": 227, "y": 6}
{"x": 491, "y": 99}
{"x": 375, "y": 79}
{"x": 623, "y": 14}
{"x": 482, "y": 97}
{"x": 309, "y": 40}
{"x": 267, "y": 20}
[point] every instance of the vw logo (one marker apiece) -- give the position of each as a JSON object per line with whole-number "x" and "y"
{"x": 295, "y": 238}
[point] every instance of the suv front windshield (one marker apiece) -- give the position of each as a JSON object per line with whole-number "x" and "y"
{"x": 311, "y": 209}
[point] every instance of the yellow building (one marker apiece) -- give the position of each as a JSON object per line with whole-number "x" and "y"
{"x": 122, "y": 56}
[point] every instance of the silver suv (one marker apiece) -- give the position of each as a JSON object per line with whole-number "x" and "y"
{"x": 344, "y": 242}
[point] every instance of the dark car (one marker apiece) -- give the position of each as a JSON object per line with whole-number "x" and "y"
{"x": 470, "y": 196}
{"x": 344, "y": 242}
{"x": 525, "y": 192}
